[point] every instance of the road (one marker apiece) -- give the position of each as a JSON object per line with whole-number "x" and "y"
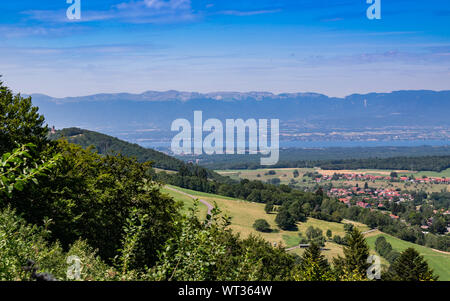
{"x": 296, "y": 247}
{"x": 208, "y": 205}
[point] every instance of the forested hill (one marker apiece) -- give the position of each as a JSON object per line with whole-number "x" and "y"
{"x": 105, "y": 144}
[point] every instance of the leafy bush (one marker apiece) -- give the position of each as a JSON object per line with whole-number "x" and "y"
{"x": 261, "y": 225}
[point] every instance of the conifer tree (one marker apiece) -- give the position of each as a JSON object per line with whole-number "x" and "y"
{"x": 314, "y": 266}
{"x": 410, "y": 266}
{"x": 355, "y": 256}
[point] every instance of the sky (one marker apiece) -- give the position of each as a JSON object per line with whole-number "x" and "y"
{"x": 322, "y": 46}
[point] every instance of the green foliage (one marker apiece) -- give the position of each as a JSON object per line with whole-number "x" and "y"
{"x": 20, "y": 122}
{"x": 356, "y": 253}
{"x": 285, "y": 220}
{"x": 348, "y": 227}
{"x": 18, "y": 168}
{"x": 338, "y": 239}
{"x": 269, "y": 207}
{"x": 313, "y": 266}
{"x": 261, "y": 225}
{"x": 410, "y": 266}
{"x": 385, "y": 250}
{"x": 20, "y": 242}
{"x": 107, "y": 145}
{"x": 133, "y": 231}
{"x": 89, "y": 195}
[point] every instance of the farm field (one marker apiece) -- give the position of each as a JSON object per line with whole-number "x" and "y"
{"x": 252, "y": 173}
{"x": 438, "y": 261}
{"x": 286, "y": 176}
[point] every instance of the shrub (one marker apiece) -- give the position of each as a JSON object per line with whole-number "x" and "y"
{"x": 261, "y": 225}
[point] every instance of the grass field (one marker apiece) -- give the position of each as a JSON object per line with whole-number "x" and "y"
{"x": 187, "y": 202}
{"x": 244, "y": 214}
{"x": 252, "y": 173}
{"x": 284, "y": 174}
{"x": 286, "y": 177}
{"x": 438, "y": 261}
{"x": 444, "y": 173}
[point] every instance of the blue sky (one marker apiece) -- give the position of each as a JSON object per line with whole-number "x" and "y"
{"x": 324, "y": 46}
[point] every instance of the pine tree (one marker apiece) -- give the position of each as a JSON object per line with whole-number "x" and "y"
{"x": 411, "y": 266}
{"x": 314, "y": 266}
{"x": 355, "y": 256}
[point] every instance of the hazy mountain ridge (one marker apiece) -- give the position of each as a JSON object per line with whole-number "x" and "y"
{"x": 147, "y": 117}
{"x": 173, "y": 95}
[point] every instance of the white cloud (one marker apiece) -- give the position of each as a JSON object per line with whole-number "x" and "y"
{"x": 144, "y": 11}
{"x": 248, "y": 13}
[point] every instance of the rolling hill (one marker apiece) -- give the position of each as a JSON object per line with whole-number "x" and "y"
{"x": 105, "y": 144}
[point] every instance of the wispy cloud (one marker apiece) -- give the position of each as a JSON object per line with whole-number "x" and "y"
{"x": 392, "y": 56}
{"x": 145, "y": 11}
{"x": 248, "y": 13}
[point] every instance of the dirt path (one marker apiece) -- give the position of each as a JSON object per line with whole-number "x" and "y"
{"x": 366, "y": 232}
{"x": 443, "y": 252}
{"x": 208, "y": 205}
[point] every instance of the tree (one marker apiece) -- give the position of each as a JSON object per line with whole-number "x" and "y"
{"x": 411, "y": 266}
{"x": 295, "y": 173}
{"x": 394, "y": 174}
{"x": 269, "y": 207}
{"x": 91, "y": 196}
{"x": 313, "y": 266}
{"x": 348, "y": 228}
{"x": 355, "y": 255}
{"x": 20, "y": 122}
{"x": 439, "y": 225}
{"x": 329, "y": 234}
{"x": 337, "y": 239}
{"x": 284, "y": 220}
{"x": 313, "y": 233}
{"x": 261, "y": 225}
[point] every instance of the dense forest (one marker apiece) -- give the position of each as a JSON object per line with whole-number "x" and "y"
{"x": 386, "y": 157}
{"x": 108, "y": 145}
{"x": 105, "y": 144}
{"x": 433, "y": 163}
{"x": 60, "y": 202}
{"x": 422, "y": 163}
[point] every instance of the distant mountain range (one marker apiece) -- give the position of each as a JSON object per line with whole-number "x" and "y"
{"x": 146, "y": 117}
